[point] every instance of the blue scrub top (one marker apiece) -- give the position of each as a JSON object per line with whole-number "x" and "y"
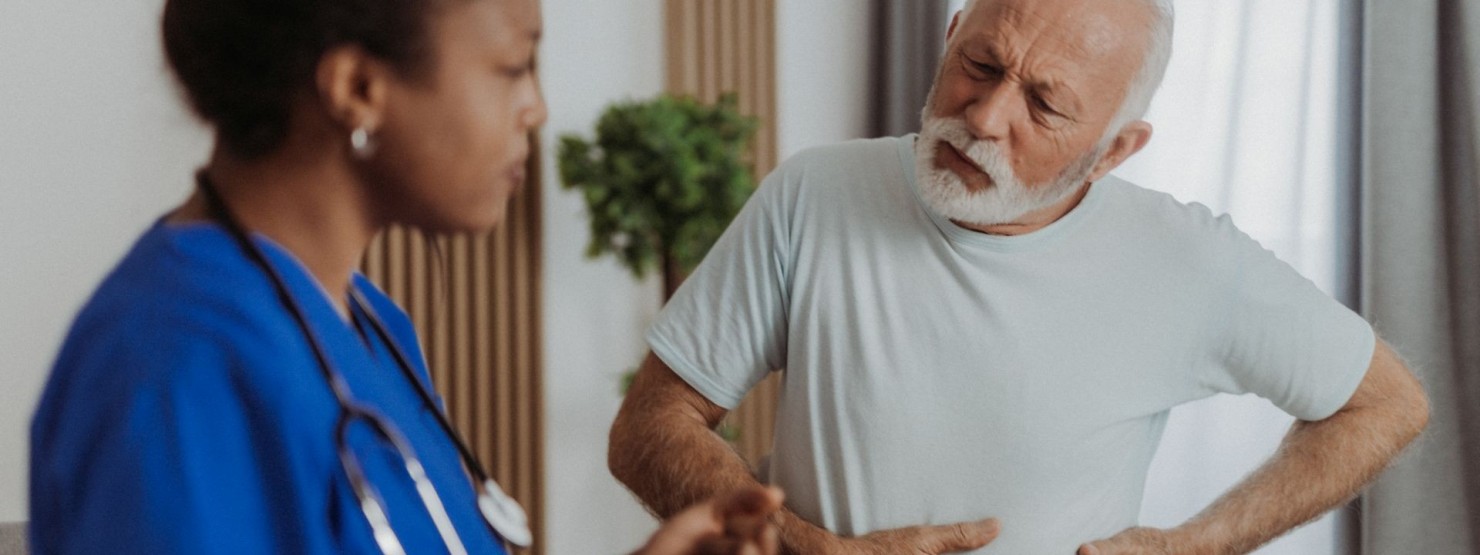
{"x": 186, "y": 414}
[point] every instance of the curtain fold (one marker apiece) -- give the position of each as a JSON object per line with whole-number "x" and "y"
{"x": 911, "y": 34}
{"x": 1421, "y": 261}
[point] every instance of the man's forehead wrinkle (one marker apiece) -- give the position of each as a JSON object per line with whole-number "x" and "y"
{"x": 1039, "y": 34}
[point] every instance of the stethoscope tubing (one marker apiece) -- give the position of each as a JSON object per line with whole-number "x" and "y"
{"x": 351, "y": 410}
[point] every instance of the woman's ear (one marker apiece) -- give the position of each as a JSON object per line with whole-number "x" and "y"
{"x": 352, "y": 87}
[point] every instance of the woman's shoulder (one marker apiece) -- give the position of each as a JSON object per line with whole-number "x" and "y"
{"x": 179, "y": 293}
{"x": 177, "y": 318}
{"x": 192, "y": 276}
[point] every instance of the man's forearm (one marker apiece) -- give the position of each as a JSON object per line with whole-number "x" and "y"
{"x": 1316, "y": 470}
{"x": 667, "y": 453}
{"x": 670, "y": 466}
{"x": 1319, "y": 466}
{"x": 679, "y": 466}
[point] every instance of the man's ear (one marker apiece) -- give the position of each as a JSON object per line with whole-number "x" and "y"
{"x": 951, "y": 31}
{"x": 352, "y": 87}
{"x": 1130, "y": 140}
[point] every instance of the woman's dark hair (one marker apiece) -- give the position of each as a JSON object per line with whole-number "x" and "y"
{"x": 242, "y": 62}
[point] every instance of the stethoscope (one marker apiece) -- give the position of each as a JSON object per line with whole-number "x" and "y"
{"x": 501, "y": 512}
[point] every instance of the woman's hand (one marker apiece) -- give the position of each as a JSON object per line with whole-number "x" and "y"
{"x": 736, "y": 524}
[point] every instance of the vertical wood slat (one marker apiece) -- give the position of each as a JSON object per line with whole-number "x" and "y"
{"x": 715, "y": 47}
{"x": 532, "y": 241}
{"x": 474, "y": 302}
{"x": 484, "y": 394}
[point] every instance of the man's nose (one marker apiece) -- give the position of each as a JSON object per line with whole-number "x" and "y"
{"x": 991, "y": 113}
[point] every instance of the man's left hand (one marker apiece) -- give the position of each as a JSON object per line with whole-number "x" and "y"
{"x": 1136, "y": 541}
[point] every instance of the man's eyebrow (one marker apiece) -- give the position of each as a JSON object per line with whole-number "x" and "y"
{"x": 983, "y": 53}
{"x": 988, "y": 54}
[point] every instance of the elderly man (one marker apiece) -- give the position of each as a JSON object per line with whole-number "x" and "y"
{"x": 983, "y": 332}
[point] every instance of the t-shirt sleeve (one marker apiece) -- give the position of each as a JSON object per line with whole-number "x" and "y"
{"x": 1280, "y": 337}
{"x": 725, "y": 328}
{"x": 171, "y": 466}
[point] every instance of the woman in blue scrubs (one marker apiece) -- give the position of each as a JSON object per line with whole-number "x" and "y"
{"x": 234, "y": 386}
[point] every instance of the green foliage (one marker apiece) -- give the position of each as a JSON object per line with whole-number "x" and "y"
{"x": 729, "y": 432}
{"x": 662, "y": 180}
{"x": 624, "y": 383}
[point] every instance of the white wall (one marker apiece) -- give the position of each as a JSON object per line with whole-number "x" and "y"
{"x": 822, "y": 72}
{"x": 93, "y": 147}
{"x": 595, "y": 312}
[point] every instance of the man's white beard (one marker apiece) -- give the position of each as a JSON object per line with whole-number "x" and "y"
{"x": 1007, "y": 199}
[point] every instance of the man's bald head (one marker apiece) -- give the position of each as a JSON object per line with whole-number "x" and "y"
{"x": 1153, "y": 65}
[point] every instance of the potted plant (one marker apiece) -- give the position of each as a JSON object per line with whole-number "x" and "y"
{"x": 662, "y": 180}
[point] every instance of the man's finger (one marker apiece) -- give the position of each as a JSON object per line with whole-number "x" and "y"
{"x": 962, "y": 536}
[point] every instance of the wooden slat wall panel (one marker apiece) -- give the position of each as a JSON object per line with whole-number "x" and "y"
{"x": 715, "y": 47}
{"x": 474, "y": 299}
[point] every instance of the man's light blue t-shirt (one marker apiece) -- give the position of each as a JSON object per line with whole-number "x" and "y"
{"x": 936, "y": 374}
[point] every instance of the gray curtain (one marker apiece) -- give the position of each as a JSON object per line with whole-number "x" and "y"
{"x": 1421, "y": 260}
{"x": 911, "y": 35}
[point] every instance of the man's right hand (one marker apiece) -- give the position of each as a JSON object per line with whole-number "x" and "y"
{"x": 922, "y": 540}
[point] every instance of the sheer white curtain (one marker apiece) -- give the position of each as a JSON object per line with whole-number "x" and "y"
{"x": 1247, "y": 124}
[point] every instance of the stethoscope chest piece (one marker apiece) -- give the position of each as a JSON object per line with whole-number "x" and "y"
{"x": 505, "y": 515}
